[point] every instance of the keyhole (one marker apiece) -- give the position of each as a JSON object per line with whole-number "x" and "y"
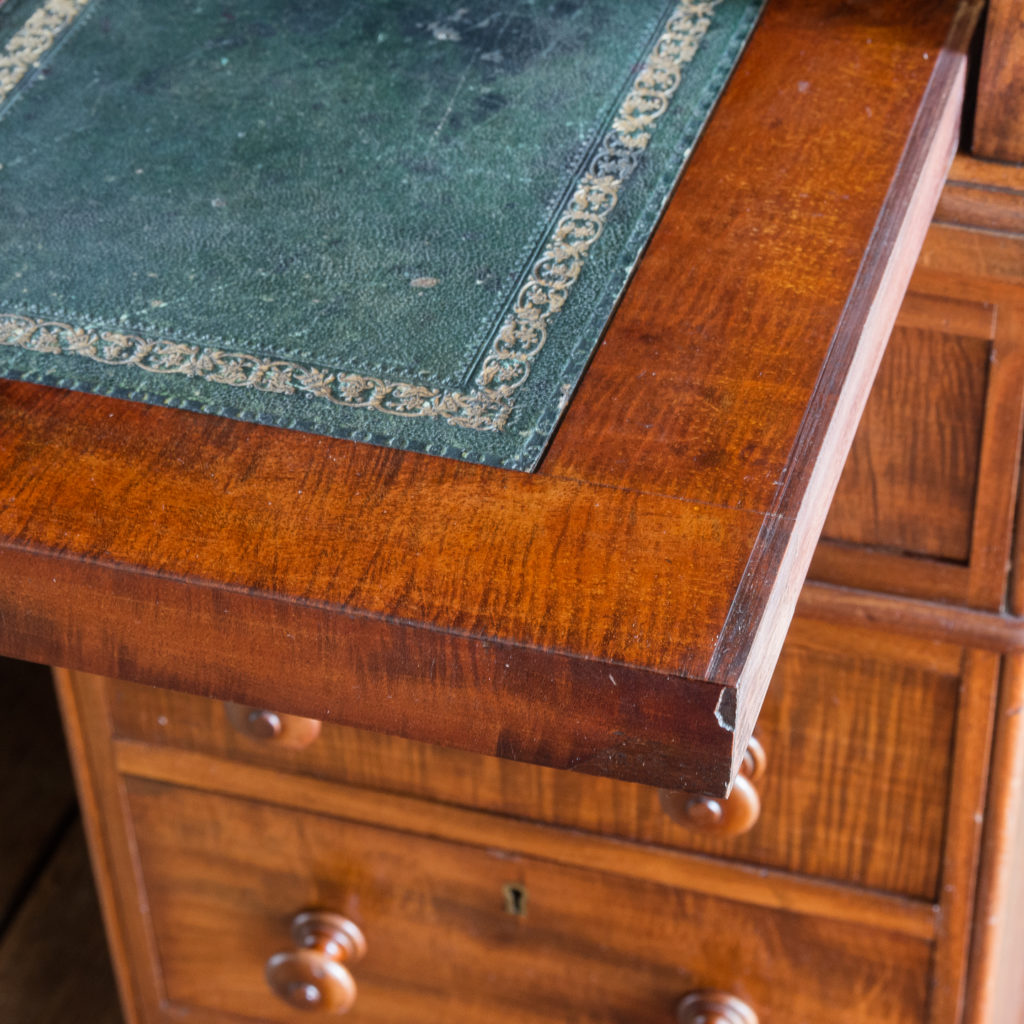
{"x": 515, "y": 899}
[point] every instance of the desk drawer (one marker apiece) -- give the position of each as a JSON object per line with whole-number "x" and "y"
{"x": 448, "y": 941}
{"x": 925, "y": 504}
{"x": 857, "y": 730}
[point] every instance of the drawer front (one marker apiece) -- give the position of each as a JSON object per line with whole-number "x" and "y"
{"x": 911, "y": 477}
{"x": 460, "y": 934}
{"x": 857, "y": 731}
{"x": 925, "y": 503}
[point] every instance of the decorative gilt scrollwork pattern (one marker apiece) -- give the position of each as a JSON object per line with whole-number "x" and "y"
{"x": 238, "y": 369}
{"x": 517, "y": 342}
{"x": 27, "y": 47}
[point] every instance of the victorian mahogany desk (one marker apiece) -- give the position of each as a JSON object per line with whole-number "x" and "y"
{"x": 525, "y": 678}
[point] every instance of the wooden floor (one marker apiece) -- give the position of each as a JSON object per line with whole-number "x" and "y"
{"x": 54, "y": 967}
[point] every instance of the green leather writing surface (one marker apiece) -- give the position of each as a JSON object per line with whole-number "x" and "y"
{"x": 400, "y": 222}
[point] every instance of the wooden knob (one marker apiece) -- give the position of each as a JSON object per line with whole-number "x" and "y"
{"x": 725, "y": 816}
{"x": 313, "y": 976}
{"x": 267, "y": 726}
{"x": 710, "y": 1007}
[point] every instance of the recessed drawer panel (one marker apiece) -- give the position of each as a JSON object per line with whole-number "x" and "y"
{"x": 924, "y": 505}
{"x": 466, "y": 935}
{"x": 856, "y": 732}
{"x": 910, "y": 479}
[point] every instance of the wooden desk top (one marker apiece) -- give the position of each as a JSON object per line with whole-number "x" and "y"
{"x": 619, "y": 611}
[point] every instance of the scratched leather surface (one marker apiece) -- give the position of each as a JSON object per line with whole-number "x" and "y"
{"x": 320, "y": 214}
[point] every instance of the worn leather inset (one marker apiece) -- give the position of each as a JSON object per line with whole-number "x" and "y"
{"x": 402, "y": 222}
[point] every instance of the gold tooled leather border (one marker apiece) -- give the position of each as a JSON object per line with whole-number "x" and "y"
{"x": 517, "y": 342}
{"x": 27, "y": 47}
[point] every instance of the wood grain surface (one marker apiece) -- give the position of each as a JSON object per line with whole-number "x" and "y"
{"x": 969, "y": 766}
{"x": 984, "y": 195}
{"x": 101, "y": 802}
{"x": 928, "y": 620}
{"x": 662, "y": 543}
{"x": 225, "y": 876}
{"x": 1015, "y": 598}
{"x": 999, "y": 117}
{"x": 858, "y": 729}
{"x": 928, "y": 501}
{"x": 996, "y": 992}
{"x": 910, "y": 480}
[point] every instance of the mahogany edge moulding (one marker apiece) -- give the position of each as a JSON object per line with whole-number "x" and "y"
{"x": 620, "y": 611}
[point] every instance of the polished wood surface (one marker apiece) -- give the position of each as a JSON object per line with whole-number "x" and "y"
{"x": 113, "y": 858}
{"x": 858, "y": 728}
{"x": 999, "y": 119}
{"x": 729, "y": 816}
{"x": 190, "y": 774}
{"x": 965, "y": 258}
{"x": 533, "y": 617}
{"x": 910, "y": 481}
{"x": 983, "y": 195}
{"x": 882, "y": 715}
{"x": 927, "y": 504}
{"x": 314, "y": 974}
{"x": 749, "y": 883}
{"x": 881, "y": 879}
{"x": 968, "y": 764}
{"x": 1015, "y": 596}
{"x": 878, "y": 729}
{"x": 270, "y": 727}
{"x": 1000, "y": 631}
{"x": 996, "y": 995}
{"x": 590, "y": 947}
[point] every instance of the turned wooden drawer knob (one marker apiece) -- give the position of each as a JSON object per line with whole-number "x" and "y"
{"x": 267, "y": 726}
{"x": 313, "y": 975}
{"x": 711, "y": 1007}
{"x": 726, "y": 816}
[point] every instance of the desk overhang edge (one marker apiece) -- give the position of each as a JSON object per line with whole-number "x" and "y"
{"x": 146, "y": 617}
